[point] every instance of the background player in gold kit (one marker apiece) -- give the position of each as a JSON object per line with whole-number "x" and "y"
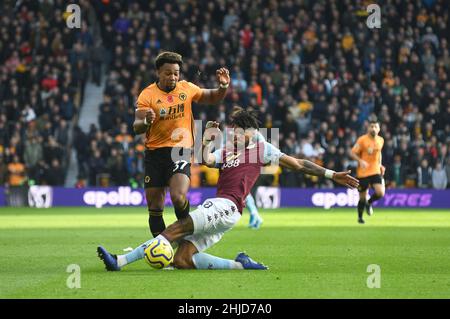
{"x": 370, "y": 171}
{"x": 164, "y": 114}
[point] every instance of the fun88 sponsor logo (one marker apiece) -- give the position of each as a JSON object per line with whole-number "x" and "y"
{"x": 329, "y": 199}
{"x": 124, "y": 196}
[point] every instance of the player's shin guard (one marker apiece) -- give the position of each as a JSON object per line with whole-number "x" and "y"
{"x": 361, "y": 205}
{"x": 156, "y": 221}
{"x": 183, "y": 212}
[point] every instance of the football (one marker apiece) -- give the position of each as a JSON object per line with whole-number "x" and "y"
{"x": 158, "y": 254}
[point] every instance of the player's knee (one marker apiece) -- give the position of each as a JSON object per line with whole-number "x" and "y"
{"x": 182, "y": 261}
{"x": 178, "y": 198}
{"x": 155, "y": 199}
{"x": 380, "y": 193}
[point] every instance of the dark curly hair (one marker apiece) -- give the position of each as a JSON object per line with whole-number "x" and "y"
{"x": 168, "y": 57}
{"x": 244, "y": 118}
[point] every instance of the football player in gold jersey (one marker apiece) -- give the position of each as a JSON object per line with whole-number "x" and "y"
{"x": 370, "y": 171}
{"x": 164, "y": 114}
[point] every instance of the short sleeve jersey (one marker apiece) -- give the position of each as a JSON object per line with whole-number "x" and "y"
{"x": 369, "y": 150}
{"x": 240, "y": 170}
{"x": 174, "y": 123}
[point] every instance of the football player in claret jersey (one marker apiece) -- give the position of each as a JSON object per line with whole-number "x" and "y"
{"x": 164, "y": 114}
{"x": 239, "y": 169}
{"x": 370, "y": 171}
{"x": 255, "y": 220}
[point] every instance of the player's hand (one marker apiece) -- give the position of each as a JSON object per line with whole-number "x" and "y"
{"x": 212, "y": 124}
{"x": 344, "y": 178}
{"x": 383, "y": 170}
{"x": 223, "y": 76}
{"x": 211, "y": 132}
{"x": 150, "y": 116}
{"x": 363, "y": 164}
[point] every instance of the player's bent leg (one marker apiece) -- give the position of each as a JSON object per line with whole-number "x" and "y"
{"x": 378, "y": 194}
{"x": 188, "y": 257}
{"x": 155, "y": 202}
{"x": 211, "y": 220}
{"x": 183, "y": 255}
{"x": 179, "y": 229}
{"x": 172, "y": 233}
{"x": 179, "y": 186}
{"x": 210, "y": 262}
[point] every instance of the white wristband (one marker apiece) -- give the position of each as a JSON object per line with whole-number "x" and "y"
{"x": 224, "y": 86}
{"x": 329, "y": 173}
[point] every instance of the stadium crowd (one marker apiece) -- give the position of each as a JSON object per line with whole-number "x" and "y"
{"x": 43, "y": 72}
{"x": 313, "y": 69}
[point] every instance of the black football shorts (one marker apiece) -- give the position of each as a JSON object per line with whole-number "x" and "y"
{"x": 162, "y": 163}
{"x": 365, "y": 182}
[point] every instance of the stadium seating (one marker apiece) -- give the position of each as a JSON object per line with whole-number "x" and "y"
{"x": 313, "y": 69}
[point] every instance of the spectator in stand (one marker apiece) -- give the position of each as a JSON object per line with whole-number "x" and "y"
{"x": 54, "y": 175}
{"x": 396, "y": 172}
{"x": 316, "y": 60}
{"x": 16, "y": 172}
{"x": 33, "y": 154}
{"x": 96, "y": 167}
{"x": 3, "y": 171}
{"x": 424, "y": 177}
{"x": 439, "y": 177}
{"x": 38, "y": 89}
{"x": 447, "y": 171}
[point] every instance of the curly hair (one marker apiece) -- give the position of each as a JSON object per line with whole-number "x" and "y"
{"x": 168, "y": 57}
{"x": 243, "y": 118}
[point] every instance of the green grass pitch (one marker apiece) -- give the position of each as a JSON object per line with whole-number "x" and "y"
{"x": 312, "y": 253}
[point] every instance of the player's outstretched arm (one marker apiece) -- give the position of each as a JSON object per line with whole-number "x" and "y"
{"x": 308, "y": 167}
{"x": 214, "y": 96}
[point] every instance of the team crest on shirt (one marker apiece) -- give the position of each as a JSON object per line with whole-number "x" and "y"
{"x": 182, "y": 96}
{"x": 170, "y": 98}
{"x": 162, "y": 112}
{"x": 147, "y": 179}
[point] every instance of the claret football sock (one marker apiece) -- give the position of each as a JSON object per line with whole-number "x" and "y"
{"x": 206, "y": 261}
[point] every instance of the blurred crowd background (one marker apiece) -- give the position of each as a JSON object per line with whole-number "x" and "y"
{"x": 313, "y": 69}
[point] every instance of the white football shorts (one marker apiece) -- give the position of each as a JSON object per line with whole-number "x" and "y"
{"x": 211, "y": 220}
